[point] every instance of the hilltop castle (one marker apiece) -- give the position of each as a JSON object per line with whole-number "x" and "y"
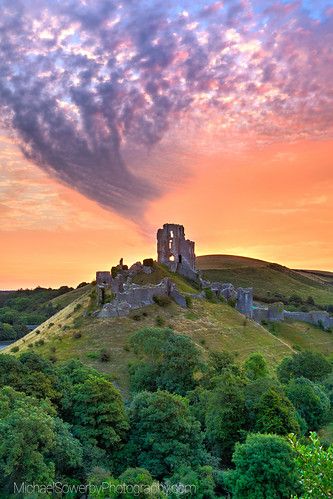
{"x": 117, "y": 294}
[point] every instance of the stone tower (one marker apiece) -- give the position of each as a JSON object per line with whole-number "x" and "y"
{"x": 244, "y": 303}
{"x": 175, "y": 251}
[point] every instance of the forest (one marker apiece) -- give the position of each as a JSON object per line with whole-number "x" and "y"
{"x": 191, "y": 425}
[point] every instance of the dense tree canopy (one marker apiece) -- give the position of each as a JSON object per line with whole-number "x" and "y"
{"x": 310, "y": 365}
{"x": 164, "y": 434}
{"x": 168, "y": 361}
{"x": 310, "y": 400}
{"x": 264, "y": 469}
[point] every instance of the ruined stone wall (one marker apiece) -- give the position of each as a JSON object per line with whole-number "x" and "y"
{"x": 317, "y": 318}
{"x": 173, "y": 249}
{"x": 244, "y": 303}
{"x": 135, "y": 296}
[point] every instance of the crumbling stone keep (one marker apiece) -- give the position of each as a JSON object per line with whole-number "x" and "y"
{"x": 244, "y": 303}
{"x": 175, "y": 251}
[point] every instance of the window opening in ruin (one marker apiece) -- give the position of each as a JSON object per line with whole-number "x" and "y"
{"x": 180, "y": 258}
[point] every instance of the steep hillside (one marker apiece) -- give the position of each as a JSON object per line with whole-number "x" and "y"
{"x": 267, "y": 279}
{"x": 71, "y": 333}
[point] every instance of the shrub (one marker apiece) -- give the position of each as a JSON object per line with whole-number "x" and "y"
{"x": 53, "y": 358}
{"x": 53, "y": 349}
{"x": 105, "y": 356}
{"x": 189, "y": 301}
{"x": 148, "y": 262}
{"x": 162, "y": 300}
{"x": 15, "y": 349}
{"x": 310, "y": 365}
{"x": 77, "y": 307}
{"x": 136, "y": 316}
{"x": 209, "y": 294}
{"x": 50, "y": 325}
{"x": 40, "y": 342}
{"x": 264, "y": 467}
{"x": 159, "y": 321}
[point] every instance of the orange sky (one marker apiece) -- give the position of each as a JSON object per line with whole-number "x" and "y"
{"x": 273, "y": 203}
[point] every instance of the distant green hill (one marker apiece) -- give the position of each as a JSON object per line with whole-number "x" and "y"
{"x": 269, "y": 280}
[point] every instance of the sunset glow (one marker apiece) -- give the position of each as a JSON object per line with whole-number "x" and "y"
{"x": 119, "y": 117}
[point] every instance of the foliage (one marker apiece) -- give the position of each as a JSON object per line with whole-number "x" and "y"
{"x": 35, "y": 446}
{"x": 264, "y": 469}
{"x": 221, "y": 361}
{"x": 168, "y": 361}
{"x": 162, "y": 300}
{"x": 97, "y": 413}
{"x": 311, "y": 365}
{"x": 26, "y": 307}
{"x": 275, "y": 414}
{"x": 315, "y": 467}
{"x": 310, "y": 400}
{"x": 199, "y": 482}
{"x": 225, "y": 415}
{"x": 163, "y": 434}
{"x": 256, "y": 367}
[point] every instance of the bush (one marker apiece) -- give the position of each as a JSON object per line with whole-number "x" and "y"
{"x": 148, "y": 262}
{"x": 162, "y": 300}
{"x": 264, "y": 467}
{"x": 159, "y": 321}
{"x": 189, "y": 301}
{"x": 310, "y": 365}
{"x": 39, "y": 343}
{"x": 15, "y": 349}
{"x": 105, "y": 356}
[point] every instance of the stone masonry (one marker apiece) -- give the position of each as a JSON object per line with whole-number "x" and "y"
{"x": 175, "y": 251}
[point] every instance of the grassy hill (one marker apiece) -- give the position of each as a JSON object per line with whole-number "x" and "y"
{"x": 267, "y": 279}
{"x": 71, "y": 333}
{"x": 74, "y": 333}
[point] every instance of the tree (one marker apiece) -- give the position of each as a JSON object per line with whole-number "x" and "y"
{"x": 98, "y": 414}
{"x": 222, "y": 361}
{"x": 275, "y": 414}
{"x": 256, "y": 367}
{"x": 315, "y": 467}
{"x": 310, "y": 365}
{"x": 168, "y": 361}
{"x": 197, "y": 483}
{"x": 310, "y": 401}
{"x": 164, "y": 435}
{"x": 264, "y": 469}
{"x": 35, "y": 446}
{"x": 225, "y": 415}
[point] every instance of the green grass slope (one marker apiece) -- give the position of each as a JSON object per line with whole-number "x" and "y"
{"x": 303, "y": 336}
{"x": 71, "y": 333}
{"x": 266, "y": 278}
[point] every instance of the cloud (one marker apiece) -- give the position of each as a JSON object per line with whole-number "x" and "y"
{"x": 83, "y": 84}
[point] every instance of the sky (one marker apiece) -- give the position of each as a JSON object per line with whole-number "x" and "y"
{"x": 119, "y": 116}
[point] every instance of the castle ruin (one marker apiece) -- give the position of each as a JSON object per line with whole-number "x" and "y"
{"x": 117, "y": 294}
{"x": 175, "y": 251}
